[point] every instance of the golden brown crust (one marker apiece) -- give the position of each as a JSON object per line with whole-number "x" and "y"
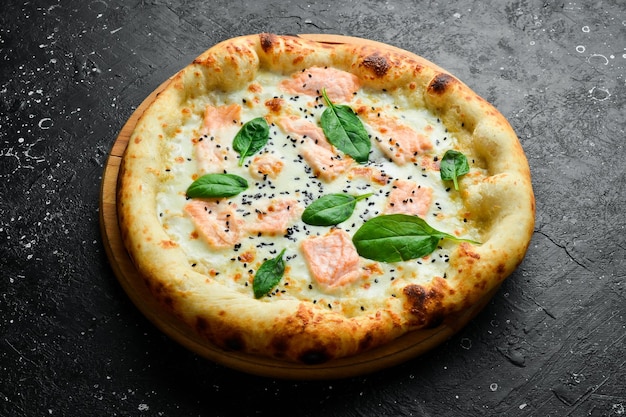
{"x": 502, "y": 203}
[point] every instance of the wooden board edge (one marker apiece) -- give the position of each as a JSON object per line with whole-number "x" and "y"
{"x": 404, "y": 348}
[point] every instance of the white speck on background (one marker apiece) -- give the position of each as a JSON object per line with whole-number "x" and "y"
{"x": 466, "y": 343}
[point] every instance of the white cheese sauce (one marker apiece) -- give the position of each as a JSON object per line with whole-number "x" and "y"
{"x": 297, "y": 181}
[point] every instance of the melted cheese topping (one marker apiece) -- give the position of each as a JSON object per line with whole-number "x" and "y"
{"x": 236, "y": 265}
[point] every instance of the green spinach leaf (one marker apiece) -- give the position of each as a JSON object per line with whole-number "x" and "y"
{"x": 331, "y": 209}
{"x": 453, "y": 165}
{"x": 268, "y": 275}
{"x": 345, "y": 131}
{"x": 217, "y": 185}
{"x": 398, "y": 237}
{"x": 251, "y": 138}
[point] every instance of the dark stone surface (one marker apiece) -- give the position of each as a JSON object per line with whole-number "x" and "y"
{"x": 551, "y": 343}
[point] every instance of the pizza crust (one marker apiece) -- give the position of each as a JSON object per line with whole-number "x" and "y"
{"x": 501, "y": 203}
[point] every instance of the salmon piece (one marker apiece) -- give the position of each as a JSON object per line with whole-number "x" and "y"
{"x": 408, "y": 197}
{"x": 216, "y": 118}
{"x": 265, "y": 165}
{"x": 340, "y": 85}
{"x": 303, "y": 129}
{"x": 275, "y": 218}
{"x": 215, "y": 222}
{"x": 399, "y": 142}
{"x": 210, "y": 152}
{"x": 332, "y": 259}
{"x": 369, "y": 173}
{"x": 429, "y": 163}
{"x": 327, "y": 164}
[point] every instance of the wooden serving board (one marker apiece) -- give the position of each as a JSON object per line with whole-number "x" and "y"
{"x": 401, "y": 350}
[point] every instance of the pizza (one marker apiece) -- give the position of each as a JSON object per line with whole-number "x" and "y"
{"x": 306, "y": 201}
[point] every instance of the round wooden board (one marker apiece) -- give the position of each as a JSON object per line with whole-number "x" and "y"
{"x": 401, "y": 350}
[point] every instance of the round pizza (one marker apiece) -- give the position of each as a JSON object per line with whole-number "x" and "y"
{"x": 309, "y": 201}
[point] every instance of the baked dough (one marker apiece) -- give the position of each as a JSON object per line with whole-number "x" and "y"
{"x": 328, "y": 304}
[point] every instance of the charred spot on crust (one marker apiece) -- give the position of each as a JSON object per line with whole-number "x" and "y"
{"x": 366, "y": 342}
{"x": 168, "y": 301}
{"x": 202, "y": 325}
{"x": 205, "y": 60}
{"x": 481, "y": 285}
{"x": 280, "y": 345}
{"x": 435, "y": 321}
{"x": 417, "y": 69}
{"x": 440, "y": 84}
{"x": 377, "y": 64}
{"x": 424, "y": 305}
{"x": 234, "y": 342}
{"x": 314, "y": 357}
{"x": 267, "y": 41}
{"x": 416, "y": 296}
{"x": 161, "y": 293}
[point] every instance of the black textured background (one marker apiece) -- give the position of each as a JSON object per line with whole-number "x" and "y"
{"x": 551, "y": 343}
